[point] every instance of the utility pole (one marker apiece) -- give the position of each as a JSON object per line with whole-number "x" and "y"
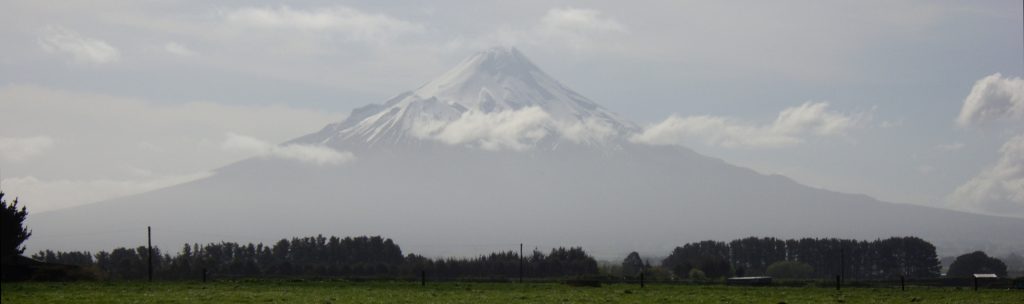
{"x": 842, "y": 261}
{"x": 149, "y": 237}
{"x": 520, "y": 262}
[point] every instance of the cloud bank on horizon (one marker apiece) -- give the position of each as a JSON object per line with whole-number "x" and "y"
{"x": 21, "y": 148}
{"x": 90, "y": 153}
{"x": 999, "y": 188}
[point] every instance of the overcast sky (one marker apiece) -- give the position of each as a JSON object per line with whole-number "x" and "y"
{"x": 908, "y": 102}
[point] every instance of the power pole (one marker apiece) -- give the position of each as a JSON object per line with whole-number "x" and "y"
{"x": 149, "y": 237}
{"x": 842, "y": 261}
{"x": 520, "y": 262}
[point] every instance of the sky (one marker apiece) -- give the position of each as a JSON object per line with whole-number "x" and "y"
{"x": 918, "y": 102}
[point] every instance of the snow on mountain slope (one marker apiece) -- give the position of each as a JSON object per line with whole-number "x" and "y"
{"x": 495, "y": 99}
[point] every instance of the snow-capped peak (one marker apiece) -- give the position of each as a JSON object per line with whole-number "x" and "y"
{"x": 494, "y": 71}
{"x": 501, "y": 78}
{"x": 492, "y": 89}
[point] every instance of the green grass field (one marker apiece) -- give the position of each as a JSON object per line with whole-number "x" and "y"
{"x": 405, "y": 292}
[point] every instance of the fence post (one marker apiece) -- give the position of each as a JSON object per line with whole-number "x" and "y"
{"x": 975, "y": 283}
{"x": 520, "y": 262}
{"x": 903, "y": 284}
{"x": 423, "y": 278}
{"x": 838, "y": 278}
{"x": 641, "y": 279}
{"x": 149, "y": 241}
{"x": 204, "y": 275}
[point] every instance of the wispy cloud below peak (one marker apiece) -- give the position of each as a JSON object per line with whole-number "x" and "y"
{"x": 792, "y": 126}
{"x": 311, "y": 154}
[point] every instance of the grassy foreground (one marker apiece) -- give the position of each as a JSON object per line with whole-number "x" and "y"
{"x": 405, "y": 292}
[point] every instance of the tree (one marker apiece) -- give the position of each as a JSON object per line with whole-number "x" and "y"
{"x": 711, "y": 257}
{"x": 14, "y": 231}
{"x": 715, "y": 267}
{"x": 632, "y": 265}
{"x": 976, "y": 262}
{"x": 790, "y": 270}
{"x": 919, "y": 258}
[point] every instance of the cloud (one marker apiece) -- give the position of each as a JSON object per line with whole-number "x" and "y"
{"x": 516, "y": 130}
{"x": 791, "y": 127}
{"x": 57, "y": 39}
{"x": 575, "y": 19}
{"x": 993, "y": 98}
{"x": 43, "y": 195}
{"x": 178, "y": 49}
{"x": 573, "y": 28}
{"x": 998, "y": 189}
{"x": 312, "y": 154}
{"x": 587, "y": 131}
{"x": 21, "y": 148}
{"x": 353, "y": 23}
{"x": 577, "y": 27}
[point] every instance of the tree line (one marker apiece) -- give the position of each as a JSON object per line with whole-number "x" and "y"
{"x": 827, "y": 257}
{"x": 364, "y": 256}
{"x": 379, "y": 257}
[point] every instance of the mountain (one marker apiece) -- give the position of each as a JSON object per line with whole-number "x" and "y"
{"x": 492, "y": 154}
{"x": 499, "y": 80}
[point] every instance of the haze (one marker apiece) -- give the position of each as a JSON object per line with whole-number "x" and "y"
{"x": 913, "y": 102}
